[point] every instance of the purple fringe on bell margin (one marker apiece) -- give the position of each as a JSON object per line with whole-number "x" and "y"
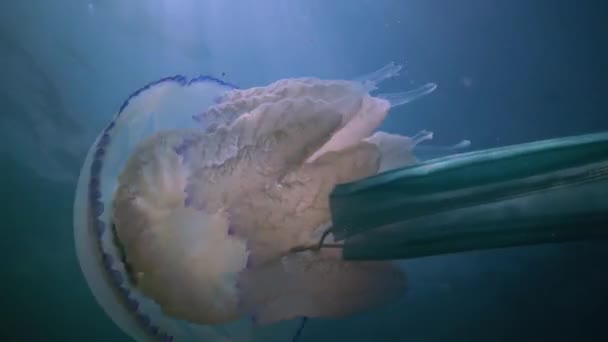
{"x": 133, "y": 304}
{"x": 97, "y": 210}
{"x": 108, "y": 260}
{"x": 143, "y": 319}
{"x": 99, "y": 226}
{"x": 117, "y": 276}
{"x": 96, "y": 168}
{"x": 97, "y": 206}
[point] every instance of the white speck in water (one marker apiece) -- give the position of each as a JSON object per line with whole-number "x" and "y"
{"x": 466, "y": 81}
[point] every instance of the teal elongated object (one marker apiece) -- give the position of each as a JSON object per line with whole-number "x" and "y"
{"x": 541, "y": 192}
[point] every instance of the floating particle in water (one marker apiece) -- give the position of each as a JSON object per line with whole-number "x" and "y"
{"x": 466, "y": 81}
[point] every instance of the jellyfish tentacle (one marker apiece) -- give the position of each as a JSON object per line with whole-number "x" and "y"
{"x": 421, "y": 137}
{"x": 401, "y": 98}
{"x": 430, "y": 152}
{"x": 372, "y": 80}
{"x": 463, "y": 144}
{"x": 396, "y": 150}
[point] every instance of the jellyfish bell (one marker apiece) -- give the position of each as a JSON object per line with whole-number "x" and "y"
{"x": 191, "y": 201}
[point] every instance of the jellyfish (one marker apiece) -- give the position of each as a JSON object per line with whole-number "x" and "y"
{"x": 192, "y": 199}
